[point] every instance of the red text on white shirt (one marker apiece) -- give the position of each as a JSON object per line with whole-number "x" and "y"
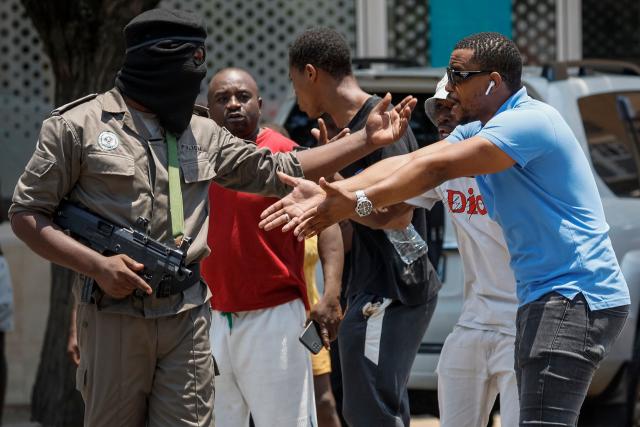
{"x": 470, "y": 203}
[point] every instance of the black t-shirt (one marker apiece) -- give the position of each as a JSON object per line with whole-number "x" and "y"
{"x": 372, "y": 255}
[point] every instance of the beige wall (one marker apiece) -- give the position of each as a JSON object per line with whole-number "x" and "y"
{"x": 31, "y": 280}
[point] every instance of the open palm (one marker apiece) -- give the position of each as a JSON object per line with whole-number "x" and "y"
{"x": 337, "y": 205}
{"x": 287, "y": 211}
{"x": 385, "y": 126}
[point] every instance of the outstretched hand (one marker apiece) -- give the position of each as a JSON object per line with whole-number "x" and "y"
{"x": 338, "y": 204}
{"x": 384, "y": 126}
{"x": 286, "y": 211}
{"x": 321, "y": 134}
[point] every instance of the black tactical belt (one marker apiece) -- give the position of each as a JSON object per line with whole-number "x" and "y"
{"x": 165, "y": 288}
{"x": 172, "y": 286}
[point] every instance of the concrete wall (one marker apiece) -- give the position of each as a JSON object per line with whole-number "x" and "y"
{"x": 31, "y": 281}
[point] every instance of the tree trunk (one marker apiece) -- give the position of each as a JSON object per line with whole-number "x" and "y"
{"x": 84, "y": 41}
{"x": 54, "y": 399}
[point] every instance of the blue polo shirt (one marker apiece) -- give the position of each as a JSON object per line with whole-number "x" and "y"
{"x": 548, "y": 206}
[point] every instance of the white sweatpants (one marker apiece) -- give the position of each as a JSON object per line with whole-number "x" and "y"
{"x": 474, "y": 367}
{"x": 264, "y": 369}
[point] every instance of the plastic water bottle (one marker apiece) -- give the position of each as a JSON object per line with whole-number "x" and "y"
{"x": 408, "y": 243}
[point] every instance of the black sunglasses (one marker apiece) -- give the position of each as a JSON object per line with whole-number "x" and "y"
{"x": 457, "y": 76}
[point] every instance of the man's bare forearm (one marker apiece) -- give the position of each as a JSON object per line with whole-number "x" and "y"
{"x": 331, "y": 252}
{"x": 45, "y": 239}
{"x": 394, "y": 217}
{"x": 380, "y": 170}
{"x": 472, "y": 157}
{"x": 383, "y": 127}
{"x": 414, "y": 178}
{"x": 328, "y": 159}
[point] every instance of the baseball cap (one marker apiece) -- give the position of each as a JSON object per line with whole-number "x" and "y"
{"x": 430, "y": 103}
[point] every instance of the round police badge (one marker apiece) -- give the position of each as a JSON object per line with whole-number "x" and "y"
{"x": 108, "y": 141}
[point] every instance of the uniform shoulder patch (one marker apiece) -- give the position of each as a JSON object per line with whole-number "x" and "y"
{"x": 67, "y": 107}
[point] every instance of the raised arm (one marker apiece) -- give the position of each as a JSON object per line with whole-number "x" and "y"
{"x": 398, "y": 216}
{"x": 242, "y": 167}
{"x": 380, "y": 170}
{"x": 475, "y": 156}
{"x": 307, "y": 195}
{"x": 382, "y": 128}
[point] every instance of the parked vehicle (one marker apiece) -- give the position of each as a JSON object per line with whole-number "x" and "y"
{"x": 600, "y": 100}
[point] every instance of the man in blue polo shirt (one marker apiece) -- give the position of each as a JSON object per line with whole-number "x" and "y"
{"x": 548, "y": 196}
{"x": 537, "y": 184}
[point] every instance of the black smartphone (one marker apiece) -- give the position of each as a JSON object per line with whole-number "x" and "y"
{"x": 310, "y": 337}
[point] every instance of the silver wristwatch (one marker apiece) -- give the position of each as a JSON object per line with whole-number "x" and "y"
{"x": 364, "y": 206}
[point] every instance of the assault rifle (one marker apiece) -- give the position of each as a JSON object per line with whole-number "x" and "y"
{"x": 164, "y": 267}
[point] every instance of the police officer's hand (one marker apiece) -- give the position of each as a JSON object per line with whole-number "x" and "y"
{"x": 117, "y": 277}
{"x": 321, "y": 134}
{"x": 384, "y": 126}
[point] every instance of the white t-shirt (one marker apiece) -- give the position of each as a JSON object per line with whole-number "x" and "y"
{"x": 490, "y": 301}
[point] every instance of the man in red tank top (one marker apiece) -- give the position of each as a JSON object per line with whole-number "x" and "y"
{"x": 258, "y": 285}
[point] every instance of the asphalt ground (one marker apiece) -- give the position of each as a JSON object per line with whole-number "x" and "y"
{"x": 428, "y": 421}
{"x": 18, "y": 416}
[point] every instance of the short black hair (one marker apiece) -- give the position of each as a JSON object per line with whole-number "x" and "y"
{"x": 495, "y": 52}
{"x": 324, "y": 48}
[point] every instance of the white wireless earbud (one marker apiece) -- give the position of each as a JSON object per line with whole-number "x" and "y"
{"x": 491, "y": 85}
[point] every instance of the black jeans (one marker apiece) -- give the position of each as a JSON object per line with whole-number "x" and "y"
{"x": 376, "y": 354}
{"x": 559, "y": 344}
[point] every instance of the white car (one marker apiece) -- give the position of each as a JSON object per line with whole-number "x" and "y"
{"x": 600, "y": 100}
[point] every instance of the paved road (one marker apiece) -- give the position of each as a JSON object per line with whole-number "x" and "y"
{"x": 424, "y": 421}
{"x": 19, "y": 417}
{"x": 415, "y": 422}
{"x": 427, "y": 421}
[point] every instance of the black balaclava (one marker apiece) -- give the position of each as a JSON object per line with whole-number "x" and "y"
{"x": 164, "y": 64}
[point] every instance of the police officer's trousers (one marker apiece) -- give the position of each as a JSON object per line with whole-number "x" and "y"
{"x": 154, "y": 372}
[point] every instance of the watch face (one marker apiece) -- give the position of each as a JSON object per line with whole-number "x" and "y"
{"x": 364, "y": 207}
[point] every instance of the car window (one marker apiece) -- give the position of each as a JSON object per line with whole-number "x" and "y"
{"x": 299, "y": 125}
{"x": 612, "y": 126}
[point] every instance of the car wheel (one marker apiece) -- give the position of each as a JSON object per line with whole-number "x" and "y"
{"x": 632, "y": 404}
{"x": 619, "y": 404}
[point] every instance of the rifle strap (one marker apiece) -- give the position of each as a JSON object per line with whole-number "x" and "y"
{"x": 175, "y": 191}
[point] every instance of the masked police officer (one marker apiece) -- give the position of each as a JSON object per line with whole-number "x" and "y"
{"x": 137, "y": 151}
